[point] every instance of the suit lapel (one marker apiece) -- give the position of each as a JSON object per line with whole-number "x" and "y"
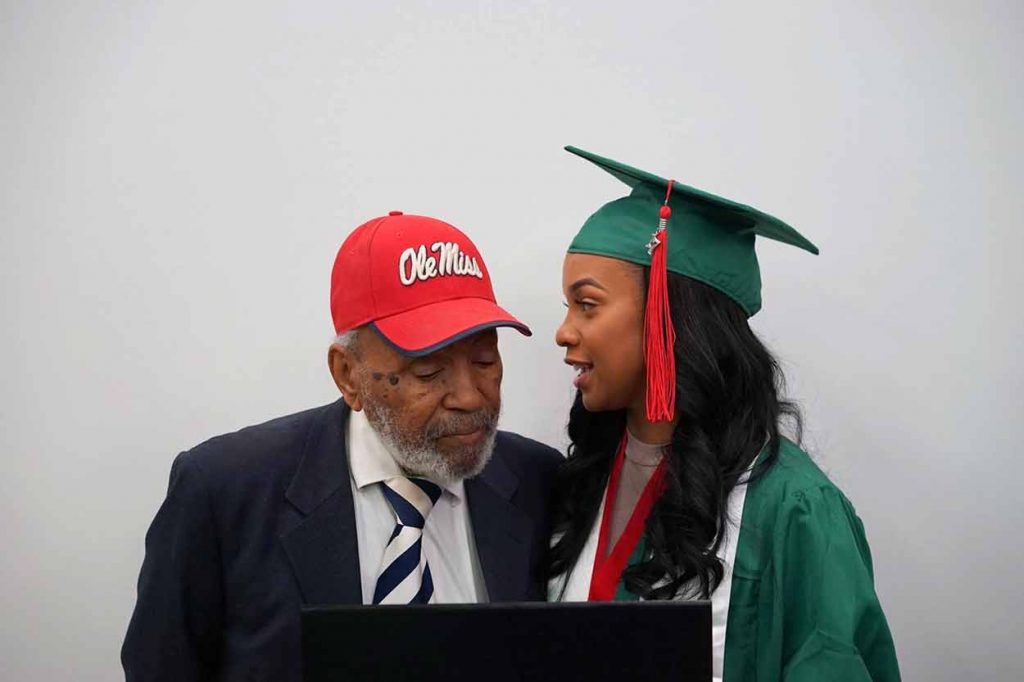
{"x": 502, "y": 532}
{"x": 322, "y": 545}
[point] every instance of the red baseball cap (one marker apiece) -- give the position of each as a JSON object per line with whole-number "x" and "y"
{"x": 420, "y": 282}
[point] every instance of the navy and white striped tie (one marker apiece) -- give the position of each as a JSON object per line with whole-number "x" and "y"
{"x": 404, "y": 576}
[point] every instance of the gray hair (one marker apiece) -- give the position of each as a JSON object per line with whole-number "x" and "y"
{"x": 347, "y": 340}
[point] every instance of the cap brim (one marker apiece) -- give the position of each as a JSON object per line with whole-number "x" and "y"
{"x": 424, "y": 330}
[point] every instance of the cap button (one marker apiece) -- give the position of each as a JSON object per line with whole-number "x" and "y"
{"x": 395, "y": 213}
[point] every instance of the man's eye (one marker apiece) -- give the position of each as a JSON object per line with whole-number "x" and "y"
{"x": 585, "y": 305}
{"x": 426, "y": 375}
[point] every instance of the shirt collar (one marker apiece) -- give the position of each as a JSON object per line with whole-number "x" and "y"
{"x": 371, "y": 461}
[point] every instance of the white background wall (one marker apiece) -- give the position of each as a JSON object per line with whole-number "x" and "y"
{"x": 175, "y": 178}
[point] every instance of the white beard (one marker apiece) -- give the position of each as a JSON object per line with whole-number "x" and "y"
{"x": 417, "y": 457}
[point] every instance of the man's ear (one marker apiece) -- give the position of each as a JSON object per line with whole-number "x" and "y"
{"x": 344, "y": 367}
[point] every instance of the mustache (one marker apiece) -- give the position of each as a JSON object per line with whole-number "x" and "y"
{"x": 463, "y": 423}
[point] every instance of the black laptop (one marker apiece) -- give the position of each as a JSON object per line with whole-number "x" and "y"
{"x": 622, "y": 641}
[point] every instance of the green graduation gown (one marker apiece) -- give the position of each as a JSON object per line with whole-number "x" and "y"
{"x": 801, "y": 601}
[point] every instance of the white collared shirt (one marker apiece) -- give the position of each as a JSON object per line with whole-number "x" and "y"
{"x": 448, "y": 542}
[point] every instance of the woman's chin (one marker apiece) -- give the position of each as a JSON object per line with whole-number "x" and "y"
{"x": 597, "y": 403}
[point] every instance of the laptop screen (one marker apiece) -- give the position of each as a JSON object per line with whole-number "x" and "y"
{"x": 623, "y": 641}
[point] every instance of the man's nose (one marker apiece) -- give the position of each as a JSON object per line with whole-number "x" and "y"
{"x": 464, "y": 392}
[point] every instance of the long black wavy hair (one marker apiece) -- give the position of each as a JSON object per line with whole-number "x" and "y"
{"x": 729, "y": 400}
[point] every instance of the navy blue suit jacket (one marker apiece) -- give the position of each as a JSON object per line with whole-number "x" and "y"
{"x": 260, "y": 522}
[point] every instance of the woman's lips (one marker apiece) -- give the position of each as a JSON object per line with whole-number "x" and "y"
{"x": 582, "y": 373}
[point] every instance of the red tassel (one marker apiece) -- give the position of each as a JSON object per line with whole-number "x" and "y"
{"x": 659, "y": 334}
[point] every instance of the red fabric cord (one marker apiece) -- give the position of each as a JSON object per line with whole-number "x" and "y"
{"x": 609, "y": 565}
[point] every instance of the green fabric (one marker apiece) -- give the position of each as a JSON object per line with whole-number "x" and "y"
{"x": 638, "y": 555}
{"x": 711, "y": 239}
{"x": 803, "y": 605}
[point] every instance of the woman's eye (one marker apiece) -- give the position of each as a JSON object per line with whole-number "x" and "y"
{"x": 582, "y": 304}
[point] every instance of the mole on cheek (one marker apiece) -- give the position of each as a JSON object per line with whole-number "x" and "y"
{"x": 393, "y": 379}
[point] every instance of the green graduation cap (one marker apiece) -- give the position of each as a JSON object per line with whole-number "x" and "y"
{"x": 669, "y": 226}
{"x": 711, "y": 238}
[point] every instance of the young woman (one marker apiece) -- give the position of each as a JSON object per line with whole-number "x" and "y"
{"x": 679, "y": 484}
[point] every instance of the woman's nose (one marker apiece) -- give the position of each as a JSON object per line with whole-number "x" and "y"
{"x": 566, "y": 335}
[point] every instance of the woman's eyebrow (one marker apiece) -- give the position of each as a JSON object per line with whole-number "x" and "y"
{"x": 586, "y": 281}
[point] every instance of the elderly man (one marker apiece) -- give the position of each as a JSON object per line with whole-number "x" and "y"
{"x": 402, "y": 492}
